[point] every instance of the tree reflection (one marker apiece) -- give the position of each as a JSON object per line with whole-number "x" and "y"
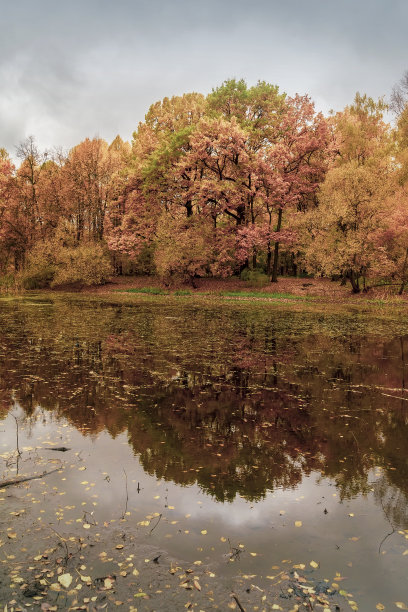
{"x": 239, "y": 402}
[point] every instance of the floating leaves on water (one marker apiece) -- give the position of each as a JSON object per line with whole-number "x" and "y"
{"x": 298, "y": 523}
{"x": 314, "y": 564}
{"x": 401, "y": 605}
{"x": 108, "y": 583}
{"x": 65, "y": 580}
{"x": 86, "y": 579}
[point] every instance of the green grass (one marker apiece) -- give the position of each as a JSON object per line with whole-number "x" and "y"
{"x": 263, "y": 294}
{"x": 237, "y": 294}
{"x": 148, "y": 290}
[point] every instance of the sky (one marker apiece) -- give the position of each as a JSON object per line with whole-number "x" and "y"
{"x": 77, "y": 69}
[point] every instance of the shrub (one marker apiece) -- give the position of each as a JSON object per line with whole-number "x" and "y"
{"x": 86, "y": 264}
{"x": 255, "y": 278}
{"x": 40, "y": 267}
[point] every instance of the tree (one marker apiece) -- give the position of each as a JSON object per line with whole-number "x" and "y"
{"x": 89, "y": 172}
{"x": 350, "y": 212}
{"x": 399, "y": 95}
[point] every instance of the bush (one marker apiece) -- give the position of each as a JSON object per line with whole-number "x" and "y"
{"x": 38, "y": 279}
{"x": 10, "y": 283}
{"x": 40, "y": 267}
{"x": 86, "y": 264}
{"x": 255, "y": 278}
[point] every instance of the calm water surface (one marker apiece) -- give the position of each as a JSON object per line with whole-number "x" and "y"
{"x": 280, "y": 431}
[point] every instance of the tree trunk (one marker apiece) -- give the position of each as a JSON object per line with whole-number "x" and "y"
{"x": 274, "y": 278}
{"x": 269, "y": 259}
{"x": 354, "y": 282}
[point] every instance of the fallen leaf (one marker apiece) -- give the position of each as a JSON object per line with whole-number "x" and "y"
{"x": 65, "y": 580}
{"x": 298, "y": 523}
{"x": 108, "y": 583}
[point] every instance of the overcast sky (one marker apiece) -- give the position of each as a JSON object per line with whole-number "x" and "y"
{"x": 74, "y": 69}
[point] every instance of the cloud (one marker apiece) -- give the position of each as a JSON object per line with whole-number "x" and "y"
{"x": 71, "y": 70}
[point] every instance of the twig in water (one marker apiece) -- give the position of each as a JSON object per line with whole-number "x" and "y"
{"x": 18, "y": 450}
{"x": 153, "y": 528}
{"x": 237, "y": 602}
{"x": 394, "y": 529}
{"x": 234, "y": 551}
{"x": 67, "y": 554}
{"x": 8, "y": 483}
{"x": 85, "y": 517}
{"x": 127, "y": 494}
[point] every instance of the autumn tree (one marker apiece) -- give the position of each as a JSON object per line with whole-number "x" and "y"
{"x": 344, "y": 226}
{"x": 89, "y": 172}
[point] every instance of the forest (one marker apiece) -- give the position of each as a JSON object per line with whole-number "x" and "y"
{"x": 245, "y": 181}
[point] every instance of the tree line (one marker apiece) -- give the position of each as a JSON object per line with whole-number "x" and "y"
{"x": 246, "y": 180}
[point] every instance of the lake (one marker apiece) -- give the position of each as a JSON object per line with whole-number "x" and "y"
{"x": 252, "y": 438}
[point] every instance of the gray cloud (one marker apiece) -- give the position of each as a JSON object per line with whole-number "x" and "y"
{"x": 77, "y": 69}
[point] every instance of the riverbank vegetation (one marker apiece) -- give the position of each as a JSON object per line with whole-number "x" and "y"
{"x": 247, "y": 181}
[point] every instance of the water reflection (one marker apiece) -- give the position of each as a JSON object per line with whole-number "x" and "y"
{"x": 239, "y": 401}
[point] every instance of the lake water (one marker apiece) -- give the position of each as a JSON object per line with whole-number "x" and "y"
{"x": 263, "y": 429}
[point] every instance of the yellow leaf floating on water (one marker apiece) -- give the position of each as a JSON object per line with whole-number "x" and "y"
{"x": 12, "y": 535}
{"x": 253, "y": 554}
{"x": 380, "y": 606}
{"x": 401, "y": 605}
{"x": 135, "y": 572}
{"x": 108, "y": 583}
{"x": 204, "y": 532}
{"x": 314, "y": 564}
{"x": 298, "y": 523}
{"x": 197, "y": 562}
{"x": 86, "y": 526}
{"x": 86, "y": 579}
{"x": 65, "y": 580}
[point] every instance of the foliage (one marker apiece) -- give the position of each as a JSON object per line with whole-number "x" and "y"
{"x": 246, "y": 177}
{"x": 86, "y": 264}
{"x": 255, "y": 278}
